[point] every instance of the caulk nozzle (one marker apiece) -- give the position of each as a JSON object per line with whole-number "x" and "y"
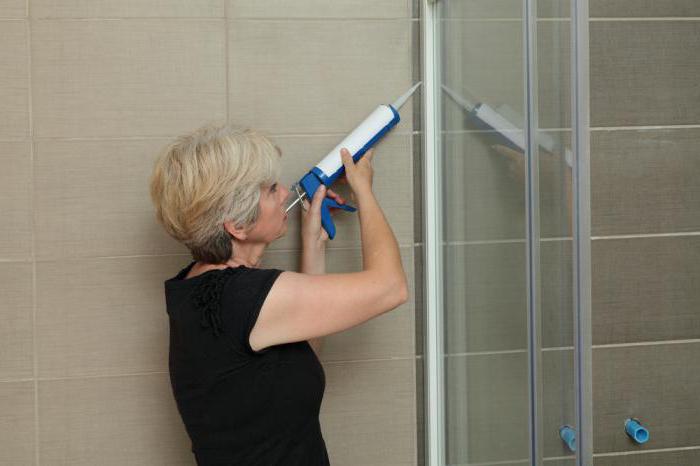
{"x": 402, "y": 100}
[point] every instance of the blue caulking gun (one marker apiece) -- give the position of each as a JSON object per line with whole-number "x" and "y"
{"x": 376, "y": 125}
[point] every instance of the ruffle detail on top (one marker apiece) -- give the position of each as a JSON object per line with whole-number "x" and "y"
{"x": 207, "y": 298}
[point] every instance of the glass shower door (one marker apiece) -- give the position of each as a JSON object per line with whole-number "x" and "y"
{"x": 506, "y": 291}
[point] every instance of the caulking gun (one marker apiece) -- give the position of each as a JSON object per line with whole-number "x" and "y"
{"x": 376, "y": 125}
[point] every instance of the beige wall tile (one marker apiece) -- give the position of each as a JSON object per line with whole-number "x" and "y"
{"x": 645, "y": 73}
{"x": 111, "y": 421}
{"x": 368, "y": 413}
{"x": 126, "y": 8}
{"x": 103, "y": 316}
{"x": 92, "y": 199}
{"x": 389, "y": 335}
{"x": 645, "y": 181}
{"x": 657, "y": 384}
{"x": 645, "y": 289}
{"x": 14, "y": 79}
{"x": 645, "y": 8}
{"x": 16, "y": 334}
{"x": 13, "y": 8}
{"x": 17, "y": 423}
{"x": 16, "y": 201}
{"x": 392, "y": 185}
{"x": 319, "y": 9}
{"x": 315, "y": 77}
{"x": 127, "y": 78}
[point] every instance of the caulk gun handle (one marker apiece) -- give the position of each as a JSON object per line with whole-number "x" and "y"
{"x": 326, "y": 220}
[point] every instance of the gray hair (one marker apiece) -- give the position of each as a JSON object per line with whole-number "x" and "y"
{"x": 210, "y": 176}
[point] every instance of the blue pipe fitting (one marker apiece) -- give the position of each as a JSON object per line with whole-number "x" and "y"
{"x": 635, "y": 429}
{"x": 568, "y": 435}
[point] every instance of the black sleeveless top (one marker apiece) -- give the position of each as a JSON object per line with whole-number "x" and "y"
{"x": 240, "y": 407}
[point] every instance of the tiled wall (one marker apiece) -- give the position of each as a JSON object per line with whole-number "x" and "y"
{"x": 90, "y": 90}
{"x": 645, "y": 227}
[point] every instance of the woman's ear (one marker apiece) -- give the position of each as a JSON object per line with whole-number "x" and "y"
{"x": 240, "y": 234}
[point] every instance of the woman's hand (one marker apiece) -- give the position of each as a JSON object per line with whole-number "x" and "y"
{"x": 312, "y": 233}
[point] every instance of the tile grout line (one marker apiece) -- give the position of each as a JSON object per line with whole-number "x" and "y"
{"x": 338, "y": 134}
{"x": 350, "y": 248}
{"x": 32, "y": 150}
{"x": 569, "y": 348}
{"x": 184, "y": 254}
{"x": 147, "y": 373}
{"x": 593, "y": 128}
{"x": 213, "y": 18}
{"x": 655, "y": 450}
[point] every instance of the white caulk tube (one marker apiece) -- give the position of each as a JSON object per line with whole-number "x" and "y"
{"x": 331, "y": 167}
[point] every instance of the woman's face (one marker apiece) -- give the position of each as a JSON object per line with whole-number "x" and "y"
{"x": 272, "y": 221}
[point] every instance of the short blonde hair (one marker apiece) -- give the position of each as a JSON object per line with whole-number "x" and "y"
{"x": 210, "y": 176}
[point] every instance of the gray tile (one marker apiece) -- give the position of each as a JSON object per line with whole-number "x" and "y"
{"x": 368, "y": 413}
{"x": 484, "y": 196}
{"x": 644, "y": 73}
{"x": 645, "y": 8}
{"x": 557, "y": 400}
{"x": 14, "y": 78}
{"x": 111, "y": 421}
{"x": 16, "y": 201}
{"x": 126, "y": 8}
{"x": 657, "y": 384}
{"x": 487, "y": 409}
{"x": 556, "y": 282}
{"x": 645, "y": 181}
{"x": 482, "y": 199}
{"x": 390, "y": 335}
{"x": 16, "y": 332}
{"x": 316, "y": 76}
{"x": 92, "y": 199}
{"x": 513, "y": 9}
{"x": 485, "y": 302}
{"x": 119, "y": 78}
{"x": 484, "y": 64}
{"x": 103, "y": 316}
{"x": 17, "y": 423}
{"x": 392, "y": 185}
{"x": 666, "y": 458}
{"x": 645, "y": 289}
{"x": 319, "y": 9}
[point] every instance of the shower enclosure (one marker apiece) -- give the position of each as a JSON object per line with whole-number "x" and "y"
{"x": 507, "y": 233}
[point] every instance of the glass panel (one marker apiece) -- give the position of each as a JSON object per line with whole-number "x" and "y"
{"x": 555, "y": 190}
{"x": 485, "y": 289}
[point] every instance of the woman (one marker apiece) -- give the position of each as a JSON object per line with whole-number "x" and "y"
{"x": 247, "y": 383}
